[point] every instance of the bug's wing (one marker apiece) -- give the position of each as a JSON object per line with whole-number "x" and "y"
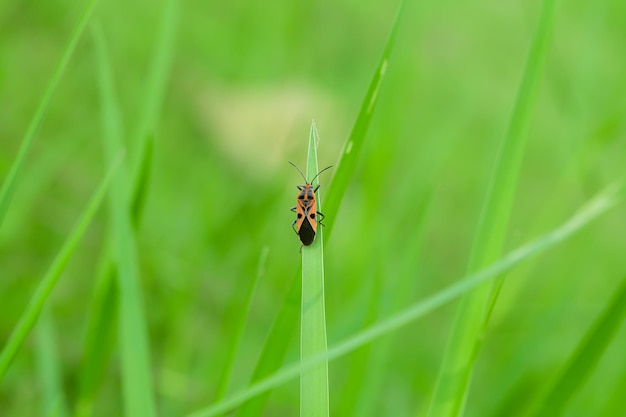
{"x": 306, "y": 232}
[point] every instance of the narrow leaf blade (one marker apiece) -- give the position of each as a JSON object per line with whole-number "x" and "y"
{"x": 8, "y": 186}
{"x": 313, "y": 382}
{"x": 464, "y": 343}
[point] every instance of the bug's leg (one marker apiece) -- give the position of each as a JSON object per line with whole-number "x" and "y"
{"x": 293, "y": 226}
{"x": 300, "y": 251}
{"x": 316, "y": 188}
{"x": 320, "y": 218}
{"x": 293, "y": 209}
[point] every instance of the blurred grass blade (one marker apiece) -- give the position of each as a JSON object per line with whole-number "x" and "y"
{"x": 141, "y": 179}
{"x": 49, "y": 368}
{"x": 8, "y": 186}
{"x": 154, "y": 92}
{"x": 275, "y": 349}
{"x": 156, "y": 82}
{"x": 284, "y": 327}
{"x": 47, "y": 284}
{"x": 313, "y": 382}
{"x": 134, "y": 345}
{"x": 226, "y": 376}
{"x": 464, "y": 344}
{"x": 102, "y": 325}
{"x": 101, "y": 332}
{"x": 585, "y": 358}
{"x": 345, "y": 167}
{"x": 99, "y": 339}
{"x": 594, "y": 208}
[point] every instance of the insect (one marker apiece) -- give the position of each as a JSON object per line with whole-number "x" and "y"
{"x": 305, "y": 224}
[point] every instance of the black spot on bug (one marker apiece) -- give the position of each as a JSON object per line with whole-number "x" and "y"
{"x": 299, "y": 215}
{"x": 306, "y": 233}
{"x": 312, "y": 216}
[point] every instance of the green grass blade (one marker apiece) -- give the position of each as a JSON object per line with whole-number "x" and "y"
{"x": 101, "y": 332}
{"x": 156, "y": 81}
{"x": 100, "y": 338}
{"x": 594, "y": 208}
{"x": 141, "y": 180}
{"x": 345, "y": 167}
{"x": 8, "y": 186}
{"x": 275, "y": 349}
{"x": 134, "y": 345}
{"x": 226, "y": 376}
{"x": 585, "y": 358}
{"x": 314, "y": 382}
{"x": 455, "y": 374}
{"x": 102, "y": 325}
{"x": 284, "y": 327}
{"x": 49, "y": 368}
{"x": 50, "y": 279}
{"x": 154, "y": 93}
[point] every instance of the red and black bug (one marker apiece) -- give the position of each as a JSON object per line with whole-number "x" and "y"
{"x": 305, "y": 224}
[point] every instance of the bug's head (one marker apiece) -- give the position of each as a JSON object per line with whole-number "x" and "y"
{"x": 307, "y": 195}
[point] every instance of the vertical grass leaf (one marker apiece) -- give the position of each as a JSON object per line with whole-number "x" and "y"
{"x": 8, "y": 186}
{"x": 313, "y": 382}
{"x": 102, "y": 324}
{"x": 346, "y": 165}
{"x": 226, "y": 376}
{"x": 101, "y": 332}
{"x": 49, "y": 366}
{"x": 275, "y": 348}
{"x": 156, "y": 82}
{"x": 464, "y": 344}
{"x": 133, "y": 337}
{"x": 99, "y": 340}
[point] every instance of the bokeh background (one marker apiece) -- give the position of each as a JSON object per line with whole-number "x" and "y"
{"x": 242, "y": 84}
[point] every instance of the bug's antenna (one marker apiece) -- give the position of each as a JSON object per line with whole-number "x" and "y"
{"x": 318, "y": 174}
{"x": 303, "y": 177}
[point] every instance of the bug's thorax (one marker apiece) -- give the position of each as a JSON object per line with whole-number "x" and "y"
{"x": 306, "y": 196}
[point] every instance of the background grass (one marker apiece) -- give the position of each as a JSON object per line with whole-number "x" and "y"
{"x": 228, "y": 99}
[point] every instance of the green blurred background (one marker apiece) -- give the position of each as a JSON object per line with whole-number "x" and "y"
{"x": 244, "y": 81}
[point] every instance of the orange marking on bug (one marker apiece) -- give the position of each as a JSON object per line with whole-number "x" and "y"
{"x": 306, "y": 221}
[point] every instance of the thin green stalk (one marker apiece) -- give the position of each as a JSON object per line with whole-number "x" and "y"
{"x": 156, "y": 80}
{"x": 346, "y": 165}
{"x": 594, "y": 208}
{"x": 225, "y": 379}
{"x": 464, "y": 344}
{"x": 101, "y": 332}
{"x": 100, "y": 338}
{"x": 314, "y": 382}
{"x": 49, "y": 367}
{"x": 8, "y": 186}
{"x": 102, "y": 324}
{"x": 50, "y": 279}
{"x": 134, "y": 345}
